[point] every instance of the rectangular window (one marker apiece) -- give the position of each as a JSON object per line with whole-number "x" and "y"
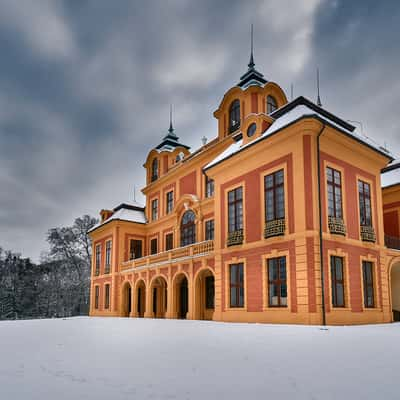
{"x": 337, "y": 280}
{"x": 108, "y": 257}
{"x": 236, "y": 283}
{"x": 334, "y": 184}
{"x": 274, "y": 196}
{"x": 153, "y": 246}
{"x": 170, "y": 202}
{"x": 235, "y": 210}
{"x": 154, "y": 209}
{"x": 210, "y": 292}
{"x": 209, "y": 230}
{"x": 277, "y": 285}
{"x": 364, "y": 197}
{"x": 135, "y": 250}
{"x": 169, "y": 241}
{"x": 368, "y": 284}
{"x": 98, "y": 259}
{"x": 96, "y": 296}
{"x": 107, "y": 296}
{"x": 209, "y": 187}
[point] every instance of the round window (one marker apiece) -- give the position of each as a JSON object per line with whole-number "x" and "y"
{"x": 251, "y": 130}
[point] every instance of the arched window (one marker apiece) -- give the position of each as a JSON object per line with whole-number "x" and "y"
{"x": 271, "y": 104}
{"x": 234, "y": 116}
{"x": 188, "y": 228}
{"x": 154, "y": 170}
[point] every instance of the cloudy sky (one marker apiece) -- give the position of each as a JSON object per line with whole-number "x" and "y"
{"x": 85, "y": 88}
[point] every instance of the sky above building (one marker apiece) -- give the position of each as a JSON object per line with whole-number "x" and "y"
{"x": 85, "y": 88}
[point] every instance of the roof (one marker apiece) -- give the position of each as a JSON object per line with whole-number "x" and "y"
{"x": 392, "y": 165}
{"x": 125, "y": 212}
{"x": 391, "y": 176}
{"x": 170, "y": 141}
{"x": 293, "y": 112}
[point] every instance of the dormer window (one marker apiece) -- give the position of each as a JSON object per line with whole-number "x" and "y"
{"x": 154, "y": 170}
{"x": 234, "y": 116}
{"x": 271, "y": 105}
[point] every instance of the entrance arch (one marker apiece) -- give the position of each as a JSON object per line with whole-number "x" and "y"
{"x": 181, "y": 296}
{"x": 126, "y": 304}
{"x": 204, "y": 292}
{"x": 158, "y": 297}
{"x": 395, "y": 289}
{"x": 140, "y": 298}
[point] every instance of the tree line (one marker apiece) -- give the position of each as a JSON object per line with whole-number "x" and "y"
{"x": 58, "y": 286}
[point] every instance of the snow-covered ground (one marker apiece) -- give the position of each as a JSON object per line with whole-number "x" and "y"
{"x": 115, "y": 358}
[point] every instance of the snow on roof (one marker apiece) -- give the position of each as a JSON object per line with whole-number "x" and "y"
{"x": 304, "y": 109}
{"x": 124, "y": 214}
{"x": 391, "y": 177}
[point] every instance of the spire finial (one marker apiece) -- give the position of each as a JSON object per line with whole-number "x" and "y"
{"x": 251, "y": 62}
{"x": 318, "y": 98}
{"x": 171, "y": 128}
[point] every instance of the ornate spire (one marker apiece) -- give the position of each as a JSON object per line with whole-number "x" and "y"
{"x": 171, "y": 131}
{"x": 170, "y": 140}
{"x": 251, "y": 64}
{"x": 252, "y": 76}
{"x": 171, "y": 128}
{"x": 318, "y": 98}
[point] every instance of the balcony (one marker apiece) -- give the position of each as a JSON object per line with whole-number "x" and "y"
{"x": 235, "y": 237}
{"x": 179, "y": 254}
{"x": 275, "y": 227}
{"x": 336, "y": 226}
{"x": 367, "y": 234}
{"x": 392, "y": 242}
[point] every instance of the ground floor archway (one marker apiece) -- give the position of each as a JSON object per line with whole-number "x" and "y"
{"x": 204, "y": 295}
{"x": 126, "y": 306}
{"x": 395, "y": 290}
{"x": 181, "y": 296}
{"x": 140, "y": 299}
{"x": 158, "y": 293}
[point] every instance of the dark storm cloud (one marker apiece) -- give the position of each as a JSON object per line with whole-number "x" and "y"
{"x": 356, "y": 46}
{"x": 85, "y": 88}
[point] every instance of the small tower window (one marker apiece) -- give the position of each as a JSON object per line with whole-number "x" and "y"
{"x": 154, "y": 170}
{"x": 251, "y": 129}
{"x": 271, "y": 104}
{"x": 234, "y": 116}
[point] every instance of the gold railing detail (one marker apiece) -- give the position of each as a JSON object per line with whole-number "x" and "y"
{"x": 171, "y": 256}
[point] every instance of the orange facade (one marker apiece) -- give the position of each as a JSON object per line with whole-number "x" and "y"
{"x": 234, "y": 231}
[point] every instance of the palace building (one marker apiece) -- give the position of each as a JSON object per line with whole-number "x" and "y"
{"x": 287, "y": 216}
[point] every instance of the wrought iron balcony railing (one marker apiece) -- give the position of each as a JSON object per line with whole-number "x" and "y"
{"x": 367, "y": 234}
{"x": 275, "y": 227}
{"x": 392, "y": 242}
{"x": 336, "y": 226}
{"x": 175, "y": 255}
{"x": 235, "y": 237}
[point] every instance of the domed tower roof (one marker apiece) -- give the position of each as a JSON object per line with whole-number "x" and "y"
{"x": 170, "y": 140}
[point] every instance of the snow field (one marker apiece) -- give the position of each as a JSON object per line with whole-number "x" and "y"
{"x": 117, "y": 358}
